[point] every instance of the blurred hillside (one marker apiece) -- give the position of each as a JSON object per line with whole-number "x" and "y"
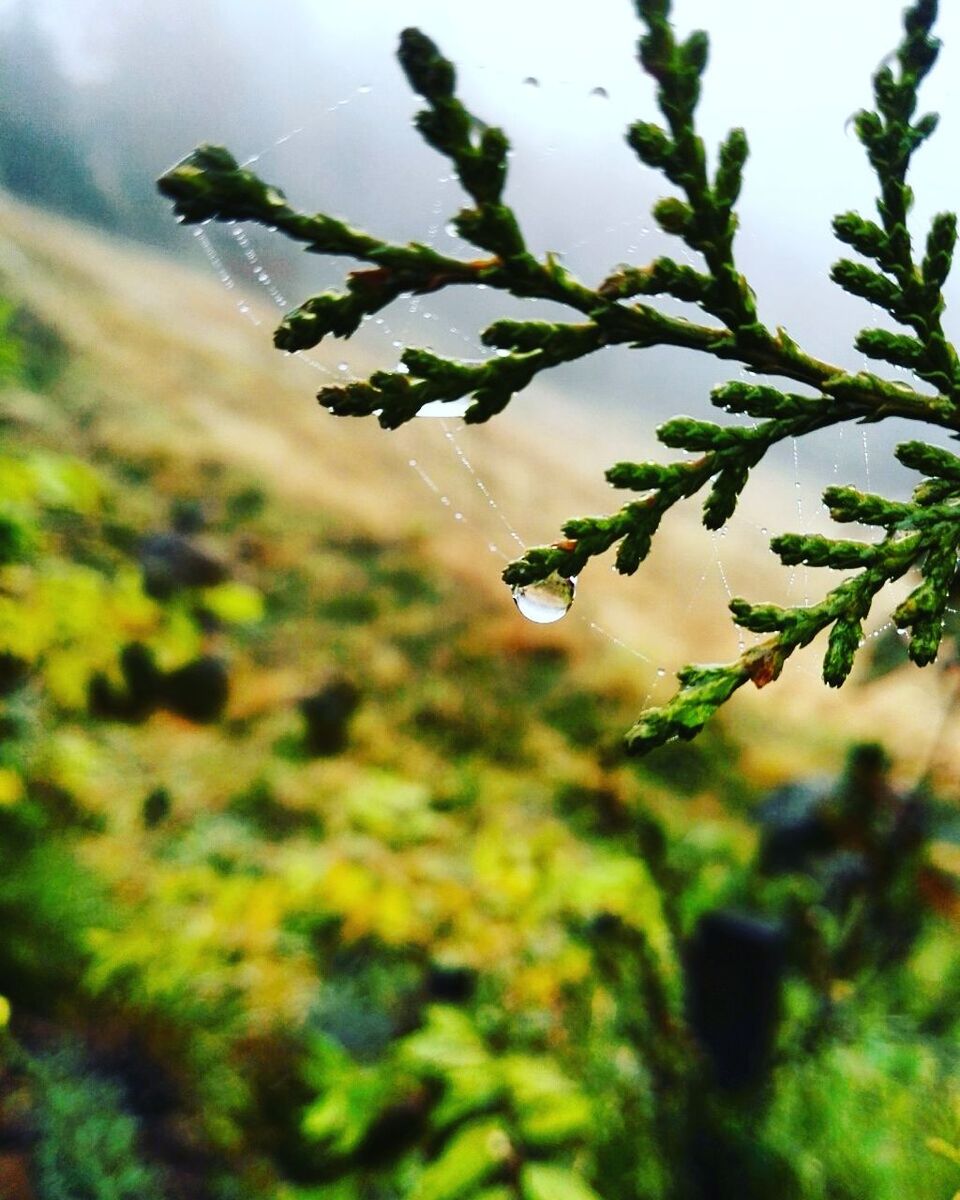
{"x": 163, "y": 369}
{"x": 323, "y": 874}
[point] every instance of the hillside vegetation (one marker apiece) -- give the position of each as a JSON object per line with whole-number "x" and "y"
{"x": 324, "y": 874}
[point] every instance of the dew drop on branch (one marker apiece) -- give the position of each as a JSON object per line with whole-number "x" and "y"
{"x": 445, "y": 408}
{"x": 546, "y": 601}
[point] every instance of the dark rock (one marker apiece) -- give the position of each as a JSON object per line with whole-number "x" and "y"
{"x": 13, "y": 672}
{"x": 171, "y": 561}
{"x": 327, "y": 715}
{"x": 198, "y": 690}
{"x": 140, "y": 673}
{"x": 451, "y": 985}
{"x": 156, "y": 807}
{"x": 141, "y": 692}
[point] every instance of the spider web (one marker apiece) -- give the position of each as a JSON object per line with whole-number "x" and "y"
{"x": 258, "y": 273}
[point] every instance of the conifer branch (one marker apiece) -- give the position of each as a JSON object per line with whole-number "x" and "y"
{"x": 922, "y": 534}
{"x": 909, "y": 291}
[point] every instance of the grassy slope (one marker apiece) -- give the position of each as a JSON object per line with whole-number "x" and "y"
{"x": 177, "y": 373}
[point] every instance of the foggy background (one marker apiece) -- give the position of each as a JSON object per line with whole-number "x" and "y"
{"x": 99, "y": 97}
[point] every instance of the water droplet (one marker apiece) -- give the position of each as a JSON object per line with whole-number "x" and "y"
{"x": 547, "y": 601}
{"x": 364, "y": 88}
{"x": 403, "y": 369}
{"x": 502, "y": 353}
{"x": 450, "y": 230}
{"x": 444, "y": 408}
{"x": 600, "y": 93}
{"x": 764, "y": 530}
{"x": 396, "y": 345}
{"x": 532, "y": 81}
{"x": 661, "y": 671}
{"x": 343, "y": 366}
{"x": 458, "y": 516}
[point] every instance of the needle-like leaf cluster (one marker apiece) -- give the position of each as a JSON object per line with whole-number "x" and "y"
{"x": 919, "y": 536}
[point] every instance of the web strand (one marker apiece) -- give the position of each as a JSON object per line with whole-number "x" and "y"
{"x": 630, "y": 230}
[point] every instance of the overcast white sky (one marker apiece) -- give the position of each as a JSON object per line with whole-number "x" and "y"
{"x": 791, "y": 73}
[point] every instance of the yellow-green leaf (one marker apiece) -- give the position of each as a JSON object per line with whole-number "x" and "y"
{"x": 469, "y": 1159}
{"x": 468, "y": 1090}
{"x": 549, "y": 1106}
{"x": 447, "y": 1042}
{"x": 234, "y": 603}
{"x": 541, "y": 1181}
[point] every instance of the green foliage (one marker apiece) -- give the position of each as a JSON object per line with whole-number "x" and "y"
{"x": 506, "y": 1121}
{"x": 366, "y": 968}
{"x": 218, "y": 897}
{"x": 87, "y": 1147}
{"x": 870, "y": 1139}
{"x": 919, "y": 536}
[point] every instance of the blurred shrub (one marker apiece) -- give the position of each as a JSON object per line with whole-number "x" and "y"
{"x": 245, "y": 504}
{"x": 87, "y": 1142}
{"x": 460, "y": 1117}
{"x": 47, "y": 903}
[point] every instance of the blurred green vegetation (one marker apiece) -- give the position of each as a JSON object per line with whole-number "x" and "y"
{"x": 311, "y": 888}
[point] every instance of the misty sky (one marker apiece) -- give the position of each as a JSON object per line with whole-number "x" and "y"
{"x": 790, "y": 73}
